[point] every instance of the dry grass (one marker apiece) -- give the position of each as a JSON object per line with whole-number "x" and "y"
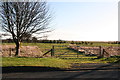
{"x": 25, "y": 51}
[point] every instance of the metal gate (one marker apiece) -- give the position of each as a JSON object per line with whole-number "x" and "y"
{"x": 63, "y": 51}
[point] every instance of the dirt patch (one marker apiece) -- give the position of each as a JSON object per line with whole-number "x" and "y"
{"x": 25, "y": 51}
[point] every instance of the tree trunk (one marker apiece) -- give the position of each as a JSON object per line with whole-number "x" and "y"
{"x": 17, "y": 48}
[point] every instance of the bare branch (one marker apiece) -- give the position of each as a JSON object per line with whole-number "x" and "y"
{"x": 19, "y": 18}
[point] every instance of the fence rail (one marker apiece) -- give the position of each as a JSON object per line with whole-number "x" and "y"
{"x": 62, "y": 50}
{"x": 99, "y": 51}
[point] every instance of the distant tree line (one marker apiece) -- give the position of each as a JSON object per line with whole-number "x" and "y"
{"x": 81, "y": 42}
{"x": 114, "y": 42}
{"x": 35, "y": 40}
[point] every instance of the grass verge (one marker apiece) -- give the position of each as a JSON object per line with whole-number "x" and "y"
{"x": 46, "y": 62}
{"x": 54, "y": 62}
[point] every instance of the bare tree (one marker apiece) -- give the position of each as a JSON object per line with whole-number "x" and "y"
{"x": 19, "y": 18}
{"x": 26, "y": 37}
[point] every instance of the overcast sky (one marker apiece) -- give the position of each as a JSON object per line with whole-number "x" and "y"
{"x": 85, "y": 21}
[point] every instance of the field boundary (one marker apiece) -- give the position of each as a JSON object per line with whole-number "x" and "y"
{"x": 98, "y": 51}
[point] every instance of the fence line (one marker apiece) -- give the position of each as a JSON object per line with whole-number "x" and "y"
{"x": 99, "y": 51}
{"x": 25, "y": 51}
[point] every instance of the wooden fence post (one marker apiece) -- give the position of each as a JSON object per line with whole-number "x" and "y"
{"x": 101, "y": 52}
{"x": 52, "y": 51}
{"x": 99, "y": 55}
{"x": 10, "y": 52}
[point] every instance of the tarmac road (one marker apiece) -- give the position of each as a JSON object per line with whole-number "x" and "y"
{"x": 78, "y": 71}
{"x": 64, "y": 74}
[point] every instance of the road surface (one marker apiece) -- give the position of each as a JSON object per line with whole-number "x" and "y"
{"x": 84, "y": 71}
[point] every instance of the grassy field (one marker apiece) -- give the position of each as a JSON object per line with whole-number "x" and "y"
{"x": 47, "y": 62}
{"x": 61, "y": 62}
{"x": 49, "y": 44}
{"x": 54, "y": 62}
{"x": 100, "y": 44}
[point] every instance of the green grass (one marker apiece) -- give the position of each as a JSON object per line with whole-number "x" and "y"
{"x": 62, "y": 62}
{"x": 46, "y": 62}
{"x": 54, "y": 62}
{"x": 50, "y": 44}
{"x": 44, "y": 47}
{"x": 114, "y": 59}
{"x": 93, "y": 60}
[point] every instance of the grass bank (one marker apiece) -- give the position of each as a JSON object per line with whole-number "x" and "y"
{"x": 54, "y": 62}
{"x": 46, "y": 62}
{"x": 94, "y": 60}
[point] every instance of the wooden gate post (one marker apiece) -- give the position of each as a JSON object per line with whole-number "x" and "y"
{"x": 101, "y": 53}
{"x": 10, "y": 54}
{"x": 52, "y": 51}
